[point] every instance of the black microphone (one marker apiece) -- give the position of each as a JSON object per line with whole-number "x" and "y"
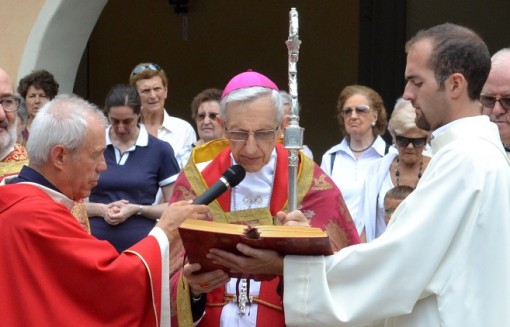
{"x": 230, "y": 178}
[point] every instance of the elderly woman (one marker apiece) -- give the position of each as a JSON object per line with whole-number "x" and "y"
{"x": 362, "y": 119}
{"x": 36, "y": 89}
{"x": 402, "y": 167}
{"x": 205, "y": 110}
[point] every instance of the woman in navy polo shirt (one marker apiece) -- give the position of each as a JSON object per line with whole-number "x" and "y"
{"x": 120, "y": 206}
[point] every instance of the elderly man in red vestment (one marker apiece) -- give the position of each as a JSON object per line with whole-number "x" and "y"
{"x": 53, "y": 272}
{"x": 251, "y": 111}
{"x": 12, "y": 156}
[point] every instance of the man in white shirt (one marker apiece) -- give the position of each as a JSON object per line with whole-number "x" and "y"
{"x": 443, "y": 261}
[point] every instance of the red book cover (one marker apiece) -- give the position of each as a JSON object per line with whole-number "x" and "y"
{"x": 198, "y": 236}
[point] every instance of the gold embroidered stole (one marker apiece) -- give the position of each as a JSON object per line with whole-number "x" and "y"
{"x": 13, "y": 162}
{"x": 258, "y": 216}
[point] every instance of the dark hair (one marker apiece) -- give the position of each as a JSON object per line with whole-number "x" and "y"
{"x": 40, "y": 79}
{"x": 376, "y": 103}
{"x": 123, "y": 95}
{"x": 204, "y": 96}
{"x": 148, "y": 73}
{"x": 457, "y": 49}
{"x": 399, "y": 192}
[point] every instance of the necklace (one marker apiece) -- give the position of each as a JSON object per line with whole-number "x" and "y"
{"x": 255, "y": 201}
{"x": 363, "y": 150}
{"x": 397, "y": 172}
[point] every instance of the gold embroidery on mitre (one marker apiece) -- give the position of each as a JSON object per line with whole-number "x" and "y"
{"x": 320, "y": 184}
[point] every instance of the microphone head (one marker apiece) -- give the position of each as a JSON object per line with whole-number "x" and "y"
{"x": 234, "y": 175}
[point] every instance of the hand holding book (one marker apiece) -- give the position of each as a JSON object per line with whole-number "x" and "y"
{"x": 199, "y": 237}
{"x": 259, "y": 264}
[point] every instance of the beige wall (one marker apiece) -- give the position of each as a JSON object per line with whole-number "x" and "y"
{"x": 48, "y": 35}
{"x": 16, "y": 20}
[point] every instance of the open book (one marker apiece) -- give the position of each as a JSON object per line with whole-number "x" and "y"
{"x": 198, "y": 236}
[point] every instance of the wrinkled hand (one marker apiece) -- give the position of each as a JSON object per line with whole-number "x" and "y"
{"x": 255, "y": 262}
{"x": 176, "y": 213}
{"x": 119, "y": 203}
{"x": 205, "y": 282}
{"x": 118, "y": 212}
{"x": 294, "y": 218}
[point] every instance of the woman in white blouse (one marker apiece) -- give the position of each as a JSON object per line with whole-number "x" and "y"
{"x": 362, "y": 119}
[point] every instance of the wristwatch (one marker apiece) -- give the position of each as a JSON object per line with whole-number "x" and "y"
{"x": 140, "y": 210}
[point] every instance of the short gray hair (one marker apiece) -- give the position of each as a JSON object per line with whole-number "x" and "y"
{"x": 249, "y": 94}
{"x": 64, "y": 120}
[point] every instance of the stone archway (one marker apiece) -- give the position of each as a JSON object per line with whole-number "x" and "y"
{"x": 58, "y": 38}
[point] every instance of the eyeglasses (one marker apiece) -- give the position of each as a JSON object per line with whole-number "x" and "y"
{"x": 404, "y": 141}
{"x": 10, "y": 104}
{"x": 262, "y": 135}
{"x": 140, "y": 68}
{"x": 489, "y": 101}
{"x": 360, "y": 110}
{"x": 211, "y": 115}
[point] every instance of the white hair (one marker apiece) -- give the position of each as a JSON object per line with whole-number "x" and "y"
{"x": 8, "y": 140}
{"x": 249, "y": 94}
{"x": 500, "y": 55}
{"x": 64, "y": 121}
{"x": 402, "y": 118}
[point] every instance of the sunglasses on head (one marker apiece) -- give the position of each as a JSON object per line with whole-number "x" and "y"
{"x": 140, "y": 68}
{"x": 360, "y": 110}
{"x": 404, "y": 141}
{"x": 489, "y": 101}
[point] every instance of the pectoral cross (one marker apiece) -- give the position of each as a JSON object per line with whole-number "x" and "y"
{"x": 243, "y": 298}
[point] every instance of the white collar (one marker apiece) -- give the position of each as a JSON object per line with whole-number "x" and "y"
{"x": 141, "y": 140}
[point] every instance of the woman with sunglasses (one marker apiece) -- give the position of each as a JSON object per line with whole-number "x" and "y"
{"x": 205, "y": 110}
{"x": 362, "y": 119}
{"x": 397, "y": 168}
{"x": 151, "y": 82}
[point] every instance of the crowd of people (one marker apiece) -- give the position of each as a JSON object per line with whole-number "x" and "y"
{"x": 92, "y": 199}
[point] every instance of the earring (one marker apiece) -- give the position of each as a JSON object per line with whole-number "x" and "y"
{"x": 373, "y": 123}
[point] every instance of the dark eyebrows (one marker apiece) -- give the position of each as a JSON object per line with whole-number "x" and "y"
{"x": 125, "y": 121}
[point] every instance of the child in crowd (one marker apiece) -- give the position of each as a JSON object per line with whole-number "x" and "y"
{"x": 393, "y": 198}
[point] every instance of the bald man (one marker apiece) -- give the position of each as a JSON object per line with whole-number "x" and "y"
{"x": 12, "y": 156}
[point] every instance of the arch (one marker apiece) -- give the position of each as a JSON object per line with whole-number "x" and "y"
{"x": 58, "y": 38}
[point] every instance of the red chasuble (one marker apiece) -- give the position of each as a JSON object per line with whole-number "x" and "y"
{"x": 55, "y": 274}
{"x": 318, "y": 198}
